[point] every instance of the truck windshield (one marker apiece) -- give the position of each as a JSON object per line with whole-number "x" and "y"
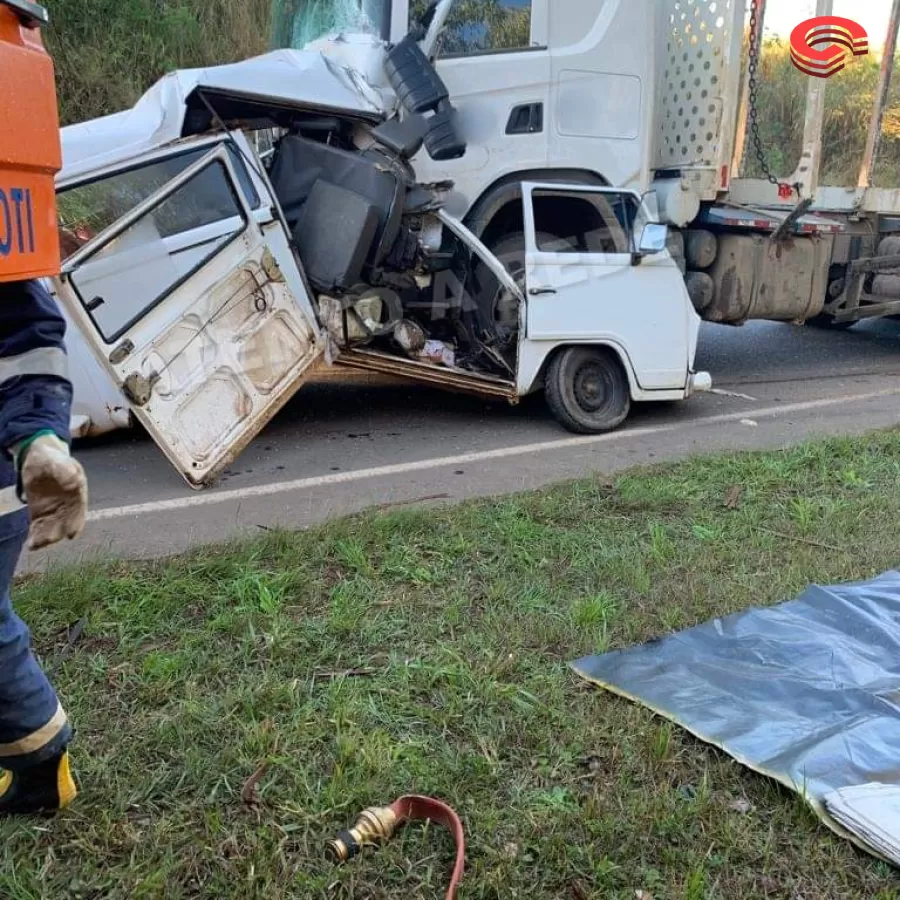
{"x": 297, "y": 22}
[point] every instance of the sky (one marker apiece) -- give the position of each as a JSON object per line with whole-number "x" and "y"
{"x": 782, "y": 16}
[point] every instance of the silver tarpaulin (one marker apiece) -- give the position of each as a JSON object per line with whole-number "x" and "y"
{"x": 807, "y": 692}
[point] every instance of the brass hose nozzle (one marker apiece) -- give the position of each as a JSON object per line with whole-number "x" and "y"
{"x": 374, "y": 826}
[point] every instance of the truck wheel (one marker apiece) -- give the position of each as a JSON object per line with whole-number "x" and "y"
{"x": 587, "y": 390}
{"x": 827, "y": 322}
{"x": 497, "y": 306}
{"x": 837, "y": 275}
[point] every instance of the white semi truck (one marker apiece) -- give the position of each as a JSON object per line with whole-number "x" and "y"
{"x": 653, "y": 95}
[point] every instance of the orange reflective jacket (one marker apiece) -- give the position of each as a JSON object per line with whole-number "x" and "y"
{"x": 30, "y": 154}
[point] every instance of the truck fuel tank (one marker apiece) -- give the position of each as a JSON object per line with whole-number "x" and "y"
{"x": 766, "y": 265}
{"x": 756, "y": 277}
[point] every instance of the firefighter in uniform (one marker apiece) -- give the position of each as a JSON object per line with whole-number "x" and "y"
{"x": 43, "y": 492}
{"x": 35, "y": 467}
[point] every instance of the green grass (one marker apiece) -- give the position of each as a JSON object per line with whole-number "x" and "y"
{"x": 108, "y": 52}
{"x": 427, "y": 651}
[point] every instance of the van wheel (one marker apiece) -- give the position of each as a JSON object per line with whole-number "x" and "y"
{"x": 587, "y": 390}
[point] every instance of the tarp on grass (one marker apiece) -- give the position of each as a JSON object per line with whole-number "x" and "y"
{"x": 807, "y": 693}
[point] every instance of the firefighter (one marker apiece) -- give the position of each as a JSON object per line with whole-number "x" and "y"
{"x": 43, "y": 498}
{"x": 43, "y": 491}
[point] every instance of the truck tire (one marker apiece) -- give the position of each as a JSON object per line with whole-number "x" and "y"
{"x": 497, "y": 306}
{"x": 887, "y": 286}
{"x": 828, "y": 323}
{"x": 675, "y": 246}
{"x": 889, "y": 246}
{"x": 587, "y": 390}
{"x": 836, "y": 284}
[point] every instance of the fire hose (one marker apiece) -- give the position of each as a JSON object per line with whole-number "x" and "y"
{"x": 377, "y": 825}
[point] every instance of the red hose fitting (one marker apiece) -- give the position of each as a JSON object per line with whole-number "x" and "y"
{"x": 376, "y": 826}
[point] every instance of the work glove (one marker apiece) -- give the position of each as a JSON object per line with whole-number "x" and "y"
{"x": 54, "y": 486}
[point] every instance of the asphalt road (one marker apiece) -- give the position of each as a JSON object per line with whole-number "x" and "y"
{"x": 768, "y": 352}
{"x": 338, "y": 449}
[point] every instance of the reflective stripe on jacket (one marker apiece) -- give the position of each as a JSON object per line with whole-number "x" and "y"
{"x": 35, "y": 391}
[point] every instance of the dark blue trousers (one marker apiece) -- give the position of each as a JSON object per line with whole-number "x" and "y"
{"x": 33, "y": 725}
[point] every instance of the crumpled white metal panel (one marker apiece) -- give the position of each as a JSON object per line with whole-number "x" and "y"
{"x": 283, "y": 78}
{"x": 224, "y": 369}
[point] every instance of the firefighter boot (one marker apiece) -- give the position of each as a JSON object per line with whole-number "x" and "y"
{"x": 44, "y": 788}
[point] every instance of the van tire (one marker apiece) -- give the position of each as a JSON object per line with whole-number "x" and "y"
{"x": 587, "y": 390}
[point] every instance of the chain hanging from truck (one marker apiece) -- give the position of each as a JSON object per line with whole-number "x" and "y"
{"x": 785, "y": 191}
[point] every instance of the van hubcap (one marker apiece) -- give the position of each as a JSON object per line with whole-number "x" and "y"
{"x": 591, "y": 388}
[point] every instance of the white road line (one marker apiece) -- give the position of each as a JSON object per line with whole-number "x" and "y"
{"x": 267, "y": 490}
{"x": 721, "y": 393}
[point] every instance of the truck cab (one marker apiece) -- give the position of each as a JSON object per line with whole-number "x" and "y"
{"x": 637, "y": 94}
{"x": 569, "y": 96}
{"x": 564, "y": 84}
{"x": 244, "y": 225}
{"x": 661, "y": 95}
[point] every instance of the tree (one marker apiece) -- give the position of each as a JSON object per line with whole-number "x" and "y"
{"x": 480, "y": 25}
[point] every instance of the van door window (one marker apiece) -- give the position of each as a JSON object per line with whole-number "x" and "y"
{"x": 588, "y": 222}
{"x": 87, "y": 209}
{"x": 482, "y": 26}
{"x": 159, "y": 251}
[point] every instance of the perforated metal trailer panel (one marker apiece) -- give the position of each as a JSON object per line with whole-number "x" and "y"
{"x": 699, "y": 83}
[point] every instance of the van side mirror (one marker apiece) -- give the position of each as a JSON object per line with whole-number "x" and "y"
{"x": 653, "y": 239}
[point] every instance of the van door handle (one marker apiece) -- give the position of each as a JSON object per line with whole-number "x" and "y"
{"x": 538, "y": 291}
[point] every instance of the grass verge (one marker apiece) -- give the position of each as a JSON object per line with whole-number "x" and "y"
{"x": 426, "y": 651}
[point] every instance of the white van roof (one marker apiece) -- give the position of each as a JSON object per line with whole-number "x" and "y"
{"x": 305, "y": 79}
